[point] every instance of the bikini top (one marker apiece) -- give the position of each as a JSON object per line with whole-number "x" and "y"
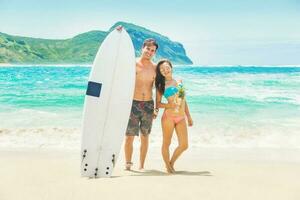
{"x": 170, "y": 91}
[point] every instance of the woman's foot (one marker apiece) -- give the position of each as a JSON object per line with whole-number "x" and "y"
{"x": 169, "y": 170}
{"x": 172, "y": 167}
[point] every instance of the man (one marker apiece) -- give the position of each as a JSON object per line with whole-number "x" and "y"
{"x": 142, "y": 114}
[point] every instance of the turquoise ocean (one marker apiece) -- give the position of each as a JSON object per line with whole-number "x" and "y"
{"x": 232, "y": 106}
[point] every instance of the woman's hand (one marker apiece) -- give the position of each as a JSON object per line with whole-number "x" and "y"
{"x": 190, "y": 121}
{"x": 155, "y": 113}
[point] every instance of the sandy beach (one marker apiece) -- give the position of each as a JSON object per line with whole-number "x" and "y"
{"x": 201, "y": 174}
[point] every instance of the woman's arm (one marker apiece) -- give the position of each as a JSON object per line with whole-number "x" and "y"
{"x": 188, "y": 115}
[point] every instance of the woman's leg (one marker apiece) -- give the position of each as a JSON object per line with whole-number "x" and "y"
{"x": 168, "y": 129}
{"x": 182, "y": 135}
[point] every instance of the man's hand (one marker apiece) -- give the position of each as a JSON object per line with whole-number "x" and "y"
{"x": 119, "y": 28}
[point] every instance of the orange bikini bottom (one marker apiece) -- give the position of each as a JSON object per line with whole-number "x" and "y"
{"x": 175, "y": 119}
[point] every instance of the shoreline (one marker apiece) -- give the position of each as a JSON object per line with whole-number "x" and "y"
{"x": 68, "y": 138}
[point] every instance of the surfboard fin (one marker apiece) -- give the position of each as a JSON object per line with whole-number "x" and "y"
{"x": 84, "y": 155}
{"x": 113, "y": 160}
{"x": 96, "y": 172}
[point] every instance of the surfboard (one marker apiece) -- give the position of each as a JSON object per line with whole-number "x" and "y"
{"x": 107, "y": 104}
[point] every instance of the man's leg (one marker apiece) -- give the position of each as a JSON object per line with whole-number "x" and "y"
{"x": 128, "y": 151}
{"x": 132, "y": 130}
{"x": 143, "y": 149}
{"x": 146, "y": 125}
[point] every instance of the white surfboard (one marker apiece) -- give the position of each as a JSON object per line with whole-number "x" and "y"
{"x": 107, "y": 104}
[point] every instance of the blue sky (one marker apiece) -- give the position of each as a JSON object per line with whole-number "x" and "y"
{"x": 215, "y": 32}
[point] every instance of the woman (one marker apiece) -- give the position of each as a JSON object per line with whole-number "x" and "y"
{"x": 174, "y": 112}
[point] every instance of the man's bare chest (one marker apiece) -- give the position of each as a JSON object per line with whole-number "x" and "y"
{"x": 145, "y": 74}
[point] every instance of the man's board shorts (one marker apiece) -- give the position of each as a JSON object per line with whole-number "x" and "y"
{"x": 141, "y": 117}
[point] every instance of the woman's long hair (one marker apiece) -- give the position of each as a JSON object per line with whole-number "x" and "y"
{"x": 160, "y": 79}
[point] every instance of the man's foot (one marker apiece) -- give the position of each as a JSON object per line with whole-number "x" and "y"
{"x": 141, "y": 169}
{"x": 128, "y": 166}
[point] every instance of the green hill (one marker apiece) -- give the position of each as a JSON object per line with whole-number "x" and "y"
{"x": 81, "y": 48}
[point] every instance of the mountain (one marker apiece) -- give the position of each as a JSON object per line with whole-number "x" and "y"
{"x": 82, "y": 48}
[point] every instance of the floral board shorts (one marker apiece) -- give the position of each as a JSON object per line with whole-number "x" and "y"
{"x": 141, "y": 117}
